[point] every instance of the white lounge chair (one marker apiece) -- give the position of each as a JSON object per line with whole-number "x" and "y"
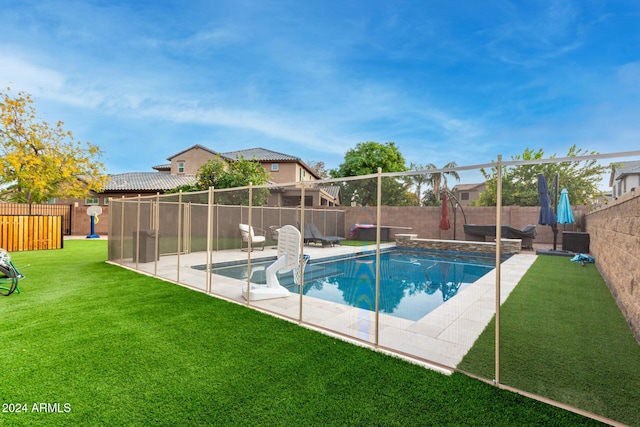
{"x": 256, "y": 235}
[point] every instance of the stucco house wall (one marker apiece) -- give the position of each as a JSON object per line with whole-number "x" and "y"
{"x": 468, "y": 193}
{"x": 287, "y": 172}
{"x": 193, "y": 158}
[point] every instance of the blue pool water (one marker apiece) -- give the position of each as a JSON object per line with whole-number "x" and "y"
{"x": 412, "y": 284}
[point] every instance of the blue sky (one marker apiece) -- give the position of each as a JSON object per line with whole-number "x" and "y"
{"x": 446, "y": 81}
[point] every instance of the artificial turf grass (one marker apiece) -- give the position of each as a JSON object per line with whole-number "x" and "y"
{"x": 352, "y": 242}
{"x": 126, "y": 349}
{"x": 563, "y": 337}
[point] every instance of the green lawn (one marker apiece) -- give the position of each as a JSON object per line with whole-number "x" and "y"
{"x": 352, "y": 242}
{"x": 563, "y": 337}
{"x": 108, "y": 346}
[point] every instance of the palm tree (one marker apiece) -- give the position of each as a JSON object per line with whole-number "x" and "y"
{"x": 417, "y": 180}
{"x": 438, "y": 180}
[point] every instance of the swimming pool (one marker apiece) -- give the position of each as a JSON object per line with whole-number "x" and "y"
{"x": 412, "y": 283}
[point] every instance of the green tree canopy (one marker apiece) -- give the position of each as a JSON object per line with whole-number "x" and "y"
{"x": 365, "y": 159}
{"x": 429, "y": 198}
{"x": 520, "y": 183}
{"x": 39, "y": 161}
{"x": 219, "y": 174}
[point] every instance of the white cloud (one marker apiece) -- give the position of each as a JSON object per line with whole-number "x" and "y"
{"x": 265, "y": 124}
{"x": 45, "y": 83}
{"x": 211, "y": 37}
{"x": 28, "y": 77}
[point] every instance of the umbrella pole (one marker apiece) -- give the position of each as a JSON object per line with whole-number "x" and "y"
{"x": 452, "y": 198}
{"x": 453, "y": 207}
{"x": 454, "y": 223}
{"x": 554, "y": 227}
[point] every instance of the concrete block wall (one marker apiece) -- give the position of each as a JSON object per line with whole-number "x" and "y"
{"x": 425, "y": 220}
{"x": 421, "y": 220}
{"x": 81, "y": 222}
{"x": 614, "y": 233}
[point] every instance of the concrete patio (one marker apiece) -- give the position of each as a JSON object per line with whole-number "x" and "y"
{"x": 439, "y": 340}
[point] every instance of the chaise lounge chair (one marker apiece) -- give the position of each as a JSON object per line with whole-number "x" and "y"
{"x": 313, "y": 235}
{"x": 481, "y": 232}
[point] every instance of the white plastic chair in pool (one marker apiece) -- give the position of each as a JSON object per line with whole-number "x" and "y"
{"x": 257, "y": 236}
{"x": 289, "y": 258}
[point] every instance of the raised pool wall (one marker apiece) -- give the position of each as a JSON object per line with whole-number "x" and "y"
{"x": 508, "y": 246}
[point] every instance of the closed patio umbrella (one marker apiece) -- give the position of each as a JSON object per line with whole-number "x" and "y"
{"x": 547, "y": 216}
{"x": 444, "y": 220}
{"x": 565, "y": 216}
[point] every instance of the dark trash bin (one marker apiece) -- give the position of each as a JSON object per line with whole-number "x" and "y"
{"x": 574, "y": 241}
{"x": 146, "y": 250}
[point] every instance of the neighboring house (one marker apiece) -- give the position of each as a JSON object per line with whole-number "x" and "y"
{"x": 183, "y": 167}
{"x": 286, "y": 169}
{"x": 602, "y": 199}
{"x": 467, "y": 193}
{"x": 625, "y": 178}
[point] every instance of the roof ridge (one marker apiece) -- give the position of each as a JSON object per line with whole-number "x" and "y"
{"x": 202, "y": 147}
{"x": 260, "y": 149}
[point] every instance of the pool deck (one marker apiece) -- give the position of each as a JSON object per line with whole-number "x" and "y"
{"x": 439, "y": 340}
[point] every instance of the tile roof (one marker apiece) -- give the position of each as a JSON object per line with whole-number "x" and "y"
{"x": 624, "y": 169}
{"x": 331, "y": 190}
{"x": 629, "y": 168}
{"x": 147, "y": 181}
{"x": 161, "y": 180}
{"x": 264, "y": 155}
{"x": 260, "y": 154}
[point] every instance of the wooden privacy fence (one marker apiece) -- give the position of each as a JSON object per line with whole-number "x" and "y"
{"x": 40, "y": 209}
{"x": 30, "y": 232}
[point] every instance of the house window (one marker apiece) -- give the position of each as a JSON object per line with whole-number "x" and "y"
{"x": 464, "y": 196}
{"x": 105, "y": 201}
{"x": 91, "y": 201}
{"x": 180, "y": 167}
{"x": 275, "y": 167}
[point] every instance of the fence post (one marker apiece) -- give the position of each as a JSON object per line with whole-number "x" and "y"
{"x": 302, "y": 225}
{"x": 249, "y": 244}
{"x": 378, "y": 220}
{"x": 498, "y": 240}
